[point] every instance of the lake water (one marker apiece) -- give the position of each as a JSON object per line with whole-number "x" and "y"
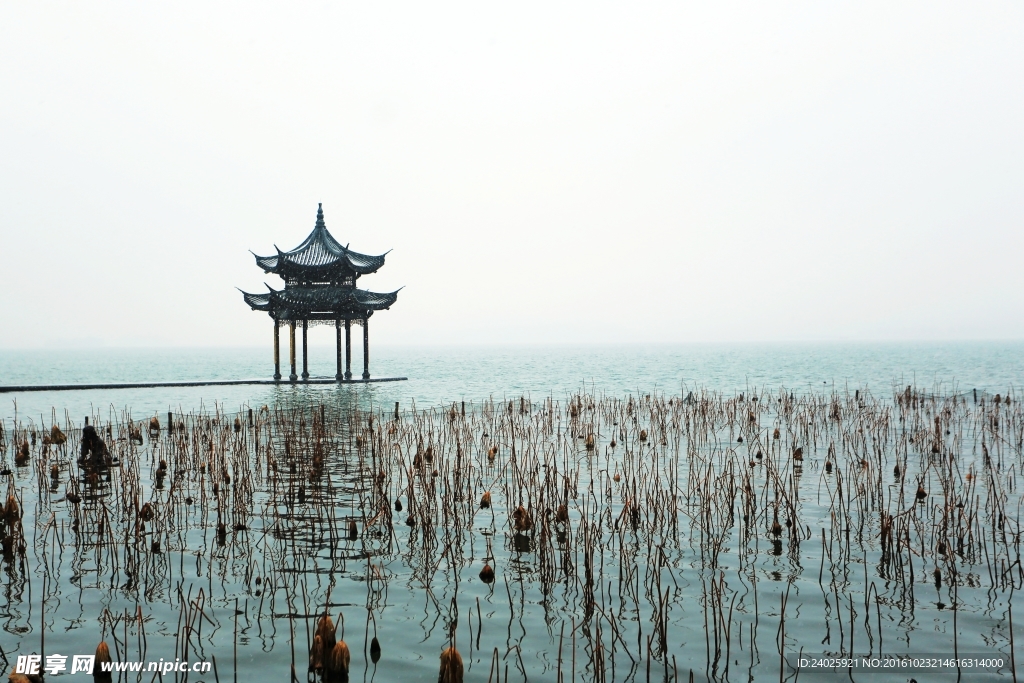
{"x": 607, "y": 577}
{"x": 438, "y": 375}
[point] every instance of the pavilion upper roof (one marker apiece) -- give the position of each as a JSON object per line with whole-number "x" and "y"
{"x": 320, "y": 257}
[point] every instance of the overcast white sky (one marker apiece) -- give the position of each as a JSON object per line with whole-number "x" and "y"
{"x": 545, "y": 172}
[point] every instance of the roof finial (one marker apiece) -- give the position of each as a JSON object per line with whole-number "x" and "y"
{"x": 320, "y": 216}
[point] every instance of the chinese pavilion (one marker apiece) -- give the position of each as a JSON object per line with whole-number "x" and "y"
{"x": 320, "y": 289}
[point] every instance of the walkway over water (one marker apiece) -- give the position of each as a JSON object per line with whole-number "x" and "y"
{"x": 196, "y": 383}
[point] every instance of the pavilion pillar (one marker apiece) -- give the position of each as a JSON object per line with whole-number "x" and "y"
{"x": 277, "y": 351}
{"x": 305, "y": 353}
{"x": 366, "y": 347}
{"x": 291, "y": 349}
{"x": 348, "y": 349}
{"x": 337, "y": 334}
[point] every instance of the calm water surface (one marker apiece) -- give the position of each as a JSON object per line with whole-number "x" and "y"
{"x": 444, "y": 374}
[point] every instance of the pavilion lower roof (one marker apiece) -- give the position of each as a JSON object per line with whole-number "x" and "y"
{"x": 325, "y": 301}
